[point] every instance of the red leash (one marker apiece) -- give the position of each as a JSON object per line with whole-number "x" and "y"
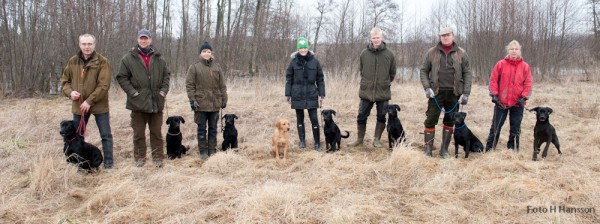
{"x": 81, "y": 128}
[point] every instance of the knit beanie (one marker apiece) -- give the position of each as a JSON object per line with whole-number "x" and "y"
{"x": 206, "y": 45}
{"x": 302, "y": 43}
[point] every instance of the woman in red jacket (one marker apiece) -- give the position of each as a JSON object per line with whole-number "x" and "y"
{"x": 510, "y": 87}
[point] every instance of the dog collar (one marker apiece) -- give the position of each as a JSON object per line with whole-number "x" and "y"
{"x": 169, "y": 133}
{"x": 464, "y": 125}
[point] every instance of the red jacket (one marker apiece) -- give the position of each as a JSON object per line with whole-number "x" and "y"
{"x": 511, "y": 80}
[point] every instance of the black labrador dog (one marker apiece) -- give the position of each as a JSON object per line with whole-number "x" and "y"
{"x": 85, "y": 155}
{"x": 463, "y": 136}
{"x": 543, "y": 132}
{"x": 394, "y": 127}
{"x": 174, "y": 137}
{"x": 332, "y": 132}
{"x": 230, "y": 133}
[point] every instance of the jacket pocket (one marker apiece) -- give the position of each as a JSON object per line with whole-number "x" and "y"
{"x": 141, "y": 102}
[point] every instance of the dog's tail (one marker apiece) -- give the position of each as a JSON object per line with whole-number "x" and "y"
{"x": 347, "y": 134}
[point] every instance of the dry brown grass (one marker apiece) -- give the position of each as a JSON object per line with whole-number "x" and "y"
{"x": 354, "y": 185}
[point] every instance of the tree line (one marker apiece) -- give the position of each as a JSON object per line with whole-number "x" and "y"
{"x": 254, "y": 38}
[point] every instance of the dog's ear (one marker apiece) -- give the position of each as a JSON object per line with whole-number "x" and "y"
{"x": 323, "y": 113}
{"x": 535, "y": 109}
{"x": 333, "y": 112}
{"x": 182, "y": 120}
{"x": 549, "y": 110}
{"x": 397, "y": 107}
{"x": 463, "y": 114}
{"x": 169, "y": 120}
{"x": 235, "y": 116}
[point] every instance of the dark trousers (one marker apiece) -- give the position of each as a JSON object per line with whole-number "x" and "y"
{"x": 204, "y": 119}
{"x": 447, "y": 100}
{"x": 312, "y": 115}
{"x": 516, "y": 115}
{"x": 139, "y": 120}
{"x": 364, "y": 110}
{"x": 103, "y": 123}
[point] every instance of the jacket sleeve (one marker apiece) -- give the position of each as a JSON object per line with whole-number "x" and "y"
{"x": 494, "y": 78}
{"x": 528, "y": 83}
{"x": 289, "y": 79}
{"x": 101, "y": 90}
{"x": 190, "y": 83}
{"x": 467, "y": 73}
{"x": 392, "y": 67}
{"x": 320, "y": 80}
{"x": 66, "y": 80}
{"x": 124, "y": 78}
{"x": 222, "y": 86}
{"x": 166, "y": 77}
{"x": 424, "y": 73}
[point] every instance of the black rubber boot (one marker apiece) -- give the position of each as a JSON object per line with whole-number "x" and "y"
{"x": 203, "y": 148}
{"x": 317, "y": 137}
{"x": 212, "y": 147}
{"x": 429, "y": 139}
{"x": 301, "y": 135}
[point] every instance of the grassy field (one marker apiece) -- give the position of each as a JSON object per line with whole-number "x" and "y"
{"x": 354, "y": 185}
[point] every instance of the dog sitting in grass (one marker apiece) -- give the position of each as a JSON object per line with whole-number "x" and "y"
{"x": 280, "y": 139}
{"x": 85, "y": 155}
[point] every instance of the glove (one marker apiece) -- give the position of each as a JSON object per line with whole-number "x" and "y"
{"x": 194, "y": 105}
{"x": 223, "y": 104}
{"x": 521, "y": 101}
{"x": 429, "y": 93}
{"x": 464, "y": 98}
{"x": 495, "y": 99}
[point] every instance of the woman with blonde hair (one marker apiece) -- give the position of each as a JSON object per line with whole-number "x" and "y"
{"x": 510, "y": 88}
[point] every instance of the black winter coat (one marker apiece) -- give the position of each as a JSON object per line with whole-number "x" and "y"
{"x": 304, "y": 81}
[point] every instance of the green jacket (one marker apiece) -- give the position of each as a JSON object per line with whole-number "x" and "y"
{"x": 205, "y": 84}
{"x": 462, "y": 70}
{"x": 134, "y": 77}
{"x": 93, "y": 86}
{"x": 377, "y": 71}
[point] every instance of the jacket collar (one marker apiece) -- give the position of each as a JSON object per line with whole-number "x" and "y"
{"x": 513, "y": 62}
{"x": 372, "y": 48}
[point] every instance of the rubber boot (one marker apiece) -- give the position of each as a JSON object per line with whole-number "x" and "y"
{"x": 203, "y": 148}
{"x": 446, "y": 135}
{"x": 429, "y": 138}
{"x": 212, "y": 147}
{"x": 301, "y": 135}
{"x": 361, "y": 128}
{"x": 108, "y": 158}
{"x": 317, "y": 137}
{"x": 379, "y": 127}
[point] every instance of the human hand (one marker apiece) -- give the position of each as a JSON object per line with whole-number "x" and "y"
{"x": 194, "y": 105}
{"x": 289, "y": 99}
{"x": 136, "y": 94}
{"x": 429, "y": 93}
{"x": 163, "y": 94}
{"x": 85, "y": 107}
{"x": 223, "y": 104}
{"x": 75, "y": 95}
{"x": 521, "y": 101}
{"x": 321, "y": 99}
{"x": 464, "y": 98}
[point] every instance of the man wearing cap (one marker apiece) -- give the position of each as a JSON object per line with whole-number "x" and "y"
{"x": 86, "y": 81}
{"x": 305, "y": 89}
{"x": 206, "y": 90}
{"x": 144, "y": 77}
{"x": 446, "y": 79}
{"x": 377, "y": 71}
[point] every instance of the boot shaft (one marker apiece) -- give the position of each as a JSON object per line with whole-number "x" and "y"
{"x": 379, "y": 127}
{"x": 428, "y": 141}
{"x": 361, "y": 129}
{"x": 301, "y": 136}
{"x": 446, "y": 136}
